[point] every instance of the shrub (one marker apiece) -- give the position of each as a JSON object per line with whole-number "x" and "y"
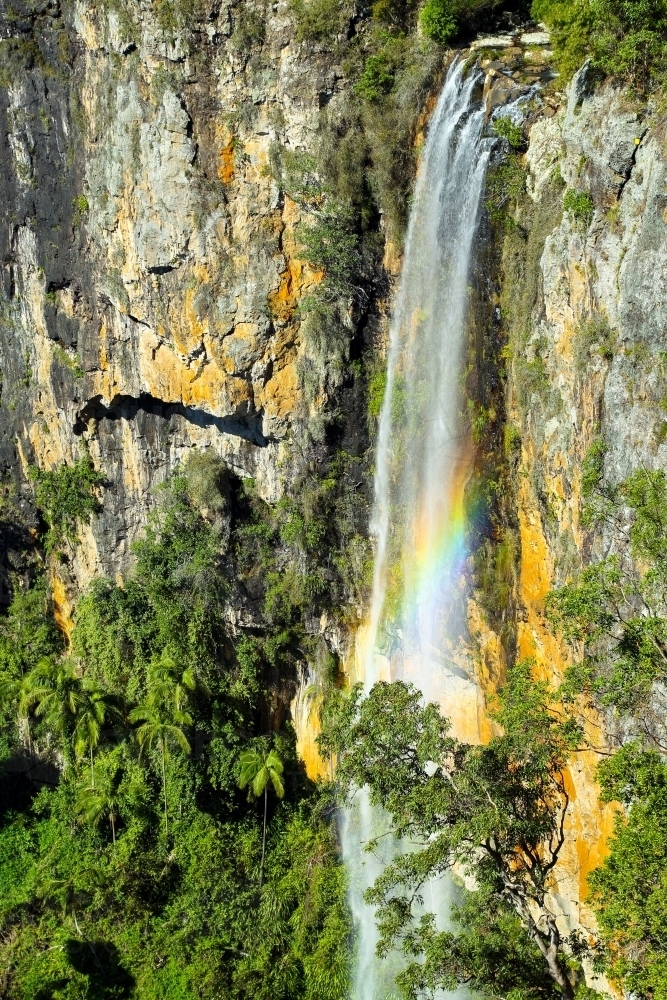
{"x": 506, "y": 129}
{"x": 172, "y": 15}
{"x": 66, "y": 497}
{"x": 505, "y": 187}
{"x": 377, "y": 78}
{"x": 249, "y": 30}
{"x": 319, "y": 20}
{"x": 629, "y": 890}
{"x": 376, "y": 390}
{"x": 332, "y": 244}
{"x": 627, "y": 39}
{"x": 396, "y": 14}
{"x": 593, "y": 332}
{"x": 438, "y": 20}
{"x": 580, "y": 206}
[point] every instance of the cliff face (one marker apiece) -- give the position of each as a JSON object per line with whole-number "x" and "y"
{"x": 149, "y": 258}
{"x": 588, "y": 363}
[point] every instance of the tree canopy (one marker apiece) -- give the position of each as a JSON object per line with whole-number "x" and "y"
{"x": 495, "y": 813}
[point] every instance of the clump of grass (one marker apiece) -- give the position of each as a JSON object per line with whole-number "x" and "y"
{"x": 320, "y": 20}
{"x": 594, "y": 333}
{"x": 580, "y": 206}
{"x": 67, "y": 361}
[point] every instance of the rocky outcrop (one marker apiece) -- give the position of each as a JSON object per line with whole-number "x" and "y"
{"x": 150, "y": 260}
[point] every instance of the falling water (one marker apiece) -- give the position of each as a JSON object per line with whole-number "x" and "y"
{"x": 417, "y": 607}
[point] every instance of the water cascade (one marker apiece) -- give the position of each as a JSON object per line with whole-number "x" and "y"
{"x": 417, "y": 608}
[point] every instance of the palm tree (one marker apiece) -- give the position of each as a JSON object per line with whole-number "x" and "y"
{"x": 103, "y": 801}
{"x": 168, "y": 682}
{"x": 11, "y": 701}
{"x": 162, "y": 721}
{"x": 56, "y": 689}
{"x": 91, "y": 715}
{"x": 256, "y": 772}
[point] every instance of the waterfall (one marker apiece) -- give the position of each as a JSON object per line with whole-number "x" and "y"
{"x": 418, "y": 604}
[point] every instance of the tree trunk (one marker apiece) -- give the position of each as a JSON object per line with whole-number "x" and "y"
{"x": 261, "y": 867}
{"x": 164, "y": 792}
{"x": 92, "y": 766}
{"x": 548, "y": 945}
{"x": 113, "y": 827}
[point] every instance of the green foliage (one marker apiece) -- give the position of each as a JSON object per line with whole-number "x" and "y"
{"x": 395, "y": 14}
{"x": 526, "y": 225}
{"x": 376, "y": 390}
{"x": 332, "y": 244}
{"x": 196, "y": 907}
{"x": 377, "y": 78}
{"x": 320, "y": 20}
{"x": 615, "y": 609}
{"x": 488, "y": 950}
{"x": 66, "y": 497}
{"x": 80, "y": 206}
{"x": 249, "y": 29}
{"x": 629, "y": 890}
{"x": 496, "y": 572}
{"x": 506, "y": 185}
{"x": 593, "y": 333}
{"x": 505, "y": 128}
{"x": 511, "y": 440}
{"x": 28, "y": 632}
{"x": 438, "y": 19}
{"x": 257, "y": 772}
{"x": 174, "y": 15}
{"x": 65, "y": 359}
{"x": 580, "y": 206}
{"x": 497, "y": 811}
{"x": 627, "y": 39}
{"x": 173, "y": 606}
{"x": 137, "y": 875}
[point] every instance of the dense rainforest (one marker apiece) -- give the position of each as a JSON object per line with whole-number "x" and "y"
{"x": 159, "y": 835}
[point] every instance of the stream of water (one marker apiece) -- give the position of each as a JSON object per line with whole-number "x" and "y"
{"x": 422, "y": 460}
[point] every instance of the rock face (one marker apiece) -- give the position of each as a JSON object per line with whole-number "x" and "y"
{"x": 596, "y": 338}
{"x": 150, "y": 263}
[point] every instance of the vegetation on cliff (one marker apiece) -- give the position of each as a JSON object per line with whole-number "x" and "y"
{"x": 131, "y": 862}
{"x": 614, "y": 615}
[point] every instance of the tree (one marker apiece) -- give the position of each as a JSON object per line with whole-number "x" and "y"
{"x": 614, "y": 614}
{"x": 91, "y": 714}
{"x": 115, "y": 789}
{"x": 161, "y": 726}
{"x": 489, "y": 952}
{"x": 55, "y": 690}
{"x": 101, "y": 802}
{"x": 629, "y": 890}
{"x": 28, "y": 632}
{"x": 497, "y": 812}
{"x": 257, "y": 772}
{"x": 168, "y": 682}
{"x": 66, "y": 497}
